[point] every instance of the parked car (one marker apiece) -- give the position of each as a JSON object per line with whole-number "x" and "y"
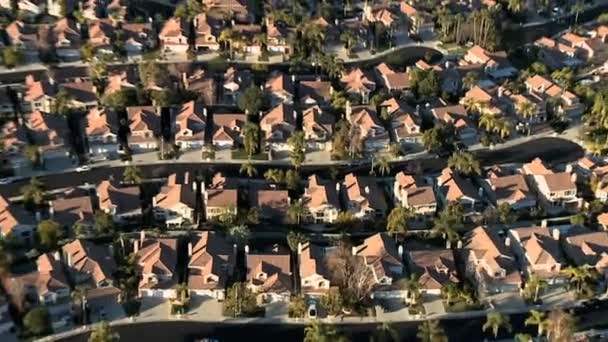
{"x": 83, "y": 168}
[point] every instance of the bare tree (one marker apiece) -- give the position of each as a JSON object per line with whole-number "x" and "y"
{"x": 561, "y": 326}
{"x": 350, "y": 274}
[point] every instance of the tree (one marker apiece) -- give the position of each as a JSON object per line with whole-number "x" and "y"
{"x": 561, "y": 326}
{"x": 385, "y": 332}
{"x": 578, "y": 7}
{"x": 470, "y": 79}
{"x": 275, "y": 176}
{"x": 449, "y": 222}
{"x": 496, "y": 320}
{"x": 449, "y": 291}
{"x": 439, "y": 139}
{"x": 333, "y": 302}
{"x": 11, "y": 56}
{"x": 297, "y": 307}
{"x": 296, "y": 212}
{"x": 251, "y": 138}
{"x": 319, "y": 332}
{"x": 292, "y": 179}
{"x": 348, "y": 38}
{"x": 522, "y": 337}
{"x": 132, "y": 175}
{"x": 37, "y": 321}
{"x": 396, "y": 222}
{"x": 240, "y": 301}
{"x": 527, "y": 109}
{"x": 227, "y": 38}
{"x": 33, "y": 155}
{"x": 412, "y": 287}
{"x": 49, "y": 232}
{"x": 252, "y": 100}
{"x": 515, "y": 6}
{"x": 350, "y": 274}
{"x": 62, "y": 105}
{"x": 539, "y": 319}
{"x": 104, "y": 223}
{"x": 506, "y": 215}
{"x": 153, "y": 74}
{"x": 564, "y": 77}
{"x": 120, "y": 99}
{"x": 249, "y": 169}
{"x": 465, "y": 163}
{"x": 33, "y": 193}
{"x": 345, "y": 219}
{"x": 534, "y": 286}
{"x": 239, "y": 234}
{"x": 87, "y": 51}
{"x": 578, "y": 219}
{"x": 297, "y": 149}
{"x": 294, "y": 239}
{"x": 102, "y": 333}
{"x": 431, "y": 331}
{"x": 383, "y": 165}
{"x": 580, "y": 276}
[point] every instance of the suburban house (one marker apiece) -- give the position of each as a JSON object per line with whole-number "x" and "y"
{"x": 202, "y": 84}
{"x": 321, "y": 199}
{"x": 50, "y": 133}
{"x": 364, "y": 198}
{"x": 190, "y": 125}
{"x": 174, "y": 35}
{"x": 272, "y": 204}
{"x": 433, "y": 267}
{"x": 119, "y": 81}
{"x": 278, "y": 37}
{"x": 156, "y": 263}
{"x": 235, "y": 83}
{"x": 458, "y": 117}
{"x": 39, "y": 94}
{"x": 72, "y": 211}
{"x": 277, "y": 126}
{"x": 205, "y": 35}
{"x": 220, "y": 198}
{"x": 384, "y": 258}
{"x": 145, "y": 128}
{"x": 212, "y": 261}
{"x": 512, "y": 190}
{"x": 314, "y": 270}
{"x": 66, "y": 38}
{"x": 490, "y": 263}
{"x": 123, "y": 203}
{"x": 89, "y": 263}
{"x": 46, "y": 287}
{"x": 588, "y": 249}
{"x": 371, "y": 130}
{"x": 14, "y": 141}
{"x": 452, "y": 188}
{"x": 315, "y": 92}
{"x": 101, "y": 34}
{"x": 557, "y": 192}
{"x": 557, "y": 55}
{"x": 419, "y": 22}
{"x": 16, "y": 222}
{"x": 358, "y": 83}
{"x": 569, "y": 102}
{"x": 538, "y": 251}
{"x": 24, "y": 37}
{"x": 392, "y": 80}
{"x": 227, "y": 129}
{"x": 101, "y": 131}
{"x": 280, "y": 88}
{"x": 269, "y": 273}
{"x": 82, "y": 93}
{"x": 405, "y": 124}
{"x": 232, "y": 9}
{"x": 318, "y": 127}
{"x": 138, "y": 38}
{"x": 175, "y": 204}
{"x": 495, "y": 64}
{"x": 410, "y": 193}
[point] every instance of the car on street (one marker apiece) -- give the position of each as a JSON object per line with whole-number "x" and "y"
{"x": 83, "y": 168}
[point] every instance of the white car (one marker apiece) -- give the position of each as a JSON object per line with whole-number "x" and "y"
{"x": 83, "y": 168}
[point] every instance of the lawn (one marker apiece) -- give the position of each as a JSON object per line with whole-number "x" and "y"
{"x": 461, "y": 306}
{"x": 241, "y": 154}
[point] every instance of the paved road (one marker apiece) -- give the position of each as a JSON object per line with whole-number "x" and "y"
{"x": 552, "y": 150}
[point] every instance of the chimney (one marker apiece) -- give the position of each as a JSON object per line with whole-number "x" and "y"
{"x": 246, "y": 249}
{"x": 38, "y": 217}
{"x": 500, "y": 91}
{"x": 569, "y": 168}
{"x": 348, "y": 110}
{"x": 508, "y": 241}
{"x": 573, "y": 177}
{"x": 153, "y": 202}
{"x": 337, "y": 186}
{"x": 135, "y": 246}
{"x": 51, "y": 209}
{"x": 480, "y": 192}
{"x": 448, "y": 244}
{"x": 367, "y": 189}
{"x": 400, "y": 251}
{"x": 543, "y": 223}
{"x": 354, "y": 250}
{"x": 205, "y": 112}
{"x": 190, "y": 248}
{"x": 299, "y": 248}
{"x": 57, "y": 256}
{"x": 142, "y": 236}
{"x": 234, "y": 249}
{"x": 459, "y": 244}
{"x": 185, "y": 79}
{"x": 555, "y": 234}
{"x": 186, "y": 178}
{"x": 293, "y": 78}
{"x": 295, "y": 115}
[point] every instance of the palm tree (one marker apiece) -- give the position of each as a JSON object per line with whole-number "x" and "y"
{"x": 385, "y": 332}
{"x": 78, "y": 296}
{"x": 577, "y": 9}
{"x": 536, "y": 284}
{"x": 132, "y": 174}
{"x": 262, "y": 40}
{"x": 465, "y": 163}
{"x": 515, "y": 6}
{"x": 412, "y": 287}
{"x": 488, "y": 122}
{"x": 503, "y": 128}
{"x": 227, "y": 37}
{"x": 249, "y": 169}
{"x": 33, "y": 193}
{"x": 496, "y": 320}
{"x": 521, "y": 337}
{"x": 579, "y": 275}
{"x": 539, "y": 319}
{"x": 526, "y": 109}
{"x": 275, "y": 176}
{"x": 449, "y": 290}
{"x": 102, "y": 333}
{"x": 396, "y": 222}
{"x": 431, "y": 331}
{"x": 383, "y": 165}
{"x": 470, "y": 79}
{"x": 561, "y": 326}
{"x": 319, "y": 332}
{"x": 251, "y": 138}
{"x": 349, "y": 39}
{"x": 296, "y": 212}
